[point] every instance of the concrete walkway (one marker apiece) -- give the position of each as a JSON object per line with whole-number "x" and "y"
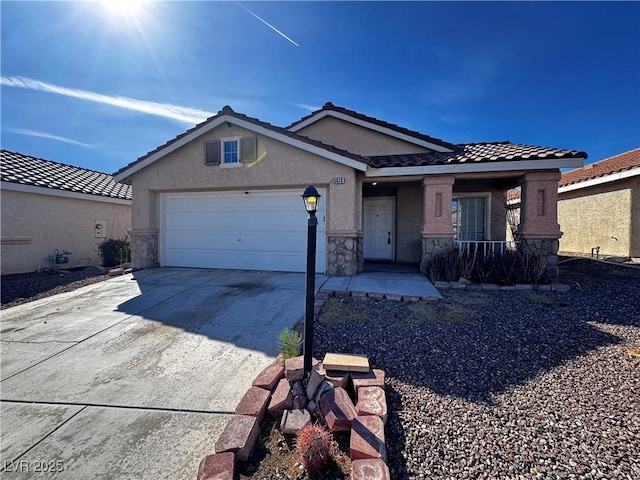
{"x": 403, "y": 284}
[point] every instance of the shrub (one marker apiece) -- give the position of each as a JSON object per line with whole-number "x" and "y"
{"x": 114, "y": 252}
{"x": 512, "y": 266}
{"x": 289, "y": 343}
{"x": 313, "y": 447}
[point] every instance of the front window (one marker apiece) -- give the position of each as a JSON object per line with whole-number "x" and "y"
{"x": 230, "y": 152}
{"x": 469, "y": 217}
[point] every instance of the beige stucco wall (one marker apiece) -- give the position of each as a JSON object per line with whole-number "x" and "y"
{"x": 33, "y": 225}
{"x": 357, "y": 139}
{"x": 278, "y": 165}
{"x": 409, "y": 224}
{"x": 592, "y": 217}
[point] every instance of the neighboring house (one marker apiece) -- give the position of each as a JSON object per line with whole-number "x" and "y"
{"x": 599, "y": 207}
{"x": 49, "y": 206}
{"x": 226, "y": 194}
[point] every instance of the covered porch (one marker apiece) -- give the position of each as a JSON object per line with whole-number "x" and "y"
{"x": 408, "y": 220}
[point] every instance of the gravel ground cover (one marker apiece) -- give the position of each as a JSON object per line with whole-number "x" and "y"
{"x": 493, "y": 385}
{"x": 20, "y": 288}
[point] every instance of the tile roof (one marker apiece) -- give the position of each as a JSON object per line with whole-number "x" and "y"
{"x": 475, "y": 153}
{"x": 608, "y": 166}
{"x": 381, "y": 123}
{"x": 37, "y": 172}
{"x": 228, "y": 111}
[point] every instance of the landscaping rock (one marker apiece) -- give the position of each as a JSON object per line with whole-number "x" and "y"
{"x": 281, "y": 400}
{"x": 371, "y": 469}
{"x": 293, "y": 421}
{"x": 312, "y": 408}
{"x": 367, "y": 438}
{"x": 322, "y": 389}
{"x": 372, "y": 401}
{"x": 316, "y": 378}
{"x": 373, "y": 378}
{"x": 337, "y": 409}
{"x": 299, "y": 402}
{"x": 269, "y": 377}
{"x": 254, "y": 403}
{"x": 239, "y": 436}
{"x": 297, "y": 388}
{"x": 219, "y": 466}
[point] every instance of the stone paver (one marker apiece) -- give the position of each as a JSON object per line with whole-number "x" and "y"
{"x": 338, "y": 409}
{"x": 367, "y": 438}
{"x": 373, "y": 378}
{"x": 254, "y": 403}
{"x": 372, "y": 401}
{"x": 281, "y": 400}
{"x": 239, "y": 436}
{"x": 219, "y": 466}
{"x": 269, "y": 377}
{"x": 370, "y": 469}
{"x": 293, "y": 421}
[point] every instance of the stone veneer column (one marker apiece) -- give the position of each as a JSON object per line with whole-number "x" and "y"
{"x": 437, "y": 227}
{"x": 539, "y": 230}
{"x": 345, "y": 257}
{"x": 144, "y": 248}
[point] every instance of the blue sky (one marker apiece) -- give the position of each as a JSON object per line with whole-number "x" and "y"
{"x": 90, "y": 85}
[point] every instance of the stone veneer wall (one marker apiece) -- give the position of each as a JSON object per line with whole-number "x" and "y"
{"x": 432, "y": 247}
{"x": 144, "y": 251}
{"x": 547, "y": 248}
{"x": 346, "y": 257}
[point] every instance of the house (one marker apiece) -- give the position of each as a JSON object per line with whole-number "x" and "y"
{"x": 49, "y": 208}
{"x": 226, "y": 194}
{"x": 599, "y": 207}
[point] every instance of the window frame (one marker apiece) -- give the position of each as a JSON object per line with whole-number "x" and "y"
{"x": 223, "y": 142}
{"x": 486, "y": 196}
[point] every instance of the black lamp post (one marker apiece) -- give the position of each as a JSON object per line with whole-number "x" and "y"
{"x": 310, "y": 197}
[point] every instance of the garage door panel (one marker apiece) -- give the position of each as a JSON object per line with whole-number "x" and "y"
{"x": 260, "y": 230}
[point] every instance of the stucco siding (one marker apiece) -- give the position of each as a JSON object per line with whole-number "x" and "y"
{"x": 409, "y": 224}
{"x": 498, "y": 216}
{"x": 357, "y": 139}
{"x": 603, "y": 216}
{"x": 33, "y": 225}
{"x": 277, "y": 166}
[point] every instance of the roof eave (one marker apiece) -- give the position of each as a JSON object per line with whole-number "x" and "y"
{"x": 592, "y": 182}
{"x": 259, "y": 129}
{"x": 479, "y": 167}
{"x": 372, "y": 126}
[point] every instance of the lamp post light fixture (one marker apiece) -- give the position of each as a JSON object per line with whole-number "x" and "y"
{"x": 311, "y": 198}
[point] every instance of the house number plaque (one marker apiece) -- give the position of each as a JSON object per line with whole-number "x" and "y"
{"x": 338, "y": 180}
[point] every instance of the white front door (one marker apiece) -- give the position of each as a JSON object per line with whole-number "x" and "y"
{"x": 379, "y": 227}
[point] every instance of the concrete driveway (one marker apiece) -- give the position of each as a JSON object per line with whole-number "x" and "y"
{"x": 135, "y": 377}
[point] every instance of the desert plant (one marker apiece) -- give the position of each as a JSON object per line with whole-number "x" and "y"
{"x": 114, "y": 252}
{"x": 313, "y": 447}
{"x": 289, "y": 343}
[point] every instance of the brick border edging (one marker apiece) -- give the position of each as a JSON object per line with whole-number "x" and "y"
{"x": 238, "y": 439}
{"x": 492, "y": 287}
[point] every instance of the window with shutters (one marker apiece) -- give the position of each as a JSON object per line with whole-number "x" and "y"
{"x": 229, "y": 152}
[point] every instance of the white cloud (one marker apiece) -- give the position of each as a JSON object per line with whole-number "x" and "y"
{"x": 304, "y": 106}
{"x": 35, "y": 133}
{"x": 167, "y": 110}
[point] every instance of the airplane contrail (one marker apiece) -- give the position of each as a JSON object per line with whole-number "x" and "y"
{"x": 183, "y": 114}
{"x": 268, "y": 24}
{"x": 35, "y": 133}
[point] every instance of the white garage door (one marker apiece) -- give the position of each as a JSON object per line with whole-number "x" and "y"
{"x": 255, "y": 230}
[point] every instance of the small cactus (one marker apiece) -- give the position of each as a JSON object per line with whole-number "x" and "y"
{"x": 313, "y": 447}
